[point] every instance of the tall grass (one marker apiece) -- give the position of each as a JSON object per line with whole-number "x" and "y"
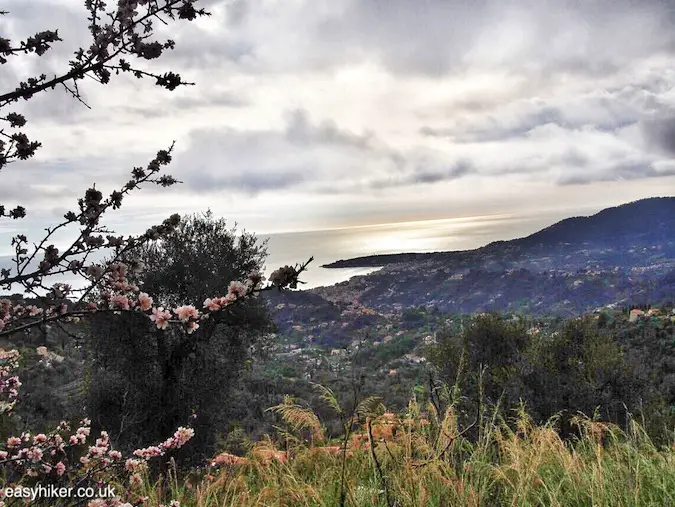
{"x": 431, "y": 462}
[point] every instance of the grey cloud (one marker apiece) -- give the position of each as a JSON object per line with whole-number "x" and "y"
{"x": 236, "y": 11}
{"x": 252, "y": 183}
{"x": 435, "y": 37}
{"x": 176, "y": 105}
{"x": 265, "y": 160}
{"x": 220, "y": 98}
{"x": 299, "y": 130}
{"x": 425, "y": 175}
{"x": 623, "y": 171}
{"x": 660, "y": 134}
{"x": 518, "y": 118}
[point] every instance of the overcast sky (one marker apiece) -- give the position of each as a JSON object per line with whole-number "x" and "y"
{"x": 311, "y": 114}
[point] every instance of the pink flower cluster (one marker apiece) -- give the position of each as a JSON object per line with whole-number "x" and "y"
{"x": 179, "y": 438}
{"x": 9, "y": 384}
{"x": 116, "y": 293}
{"x": 44, "y": 455}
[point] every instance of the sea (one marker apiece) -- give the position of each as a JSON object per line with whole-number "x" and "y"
{"x": 327, "y": 246}
{"x": 331, "y": 245}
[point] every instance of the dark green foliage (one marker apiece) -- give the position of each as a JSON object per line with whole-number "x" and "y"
{"x": 578, "y": 367}
{"x": 146, "y": 382}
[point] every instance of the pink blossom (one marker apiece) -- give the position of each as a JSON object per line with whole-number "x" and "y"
{"x": 212, "y": 304}
{"x": 33, "y": 310}
{"x": 133, "y": 465}
{"x": 40, "y": 439}
{"x": 13, "y": 441}
{"x": 179, "y": 438}
{"x": 96, "y": 452}
{"x": 192, "y": 327}
{"x": 237, "y": 288}
{"x": 35, "y": 454}
{"x": 60, "y": 468}
{"x": 148, "y": 452}
{"x": 3, "y": 454}
{"x": 186, "y": 312}
{"x": 145, "y": 301}
{"x": 226, "y": 300}
{"x": 160, "y": 317}
{"x": 135, "y": 480}
{"x": 115, "y": 454}
{"x": 121, "y": 302}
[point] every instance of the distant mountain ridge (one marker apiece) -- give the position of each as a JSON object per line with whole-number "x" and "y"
{"x": 650, "y": 220}
{"x": 622, "y": 255}
{"x": 653, "y": 217}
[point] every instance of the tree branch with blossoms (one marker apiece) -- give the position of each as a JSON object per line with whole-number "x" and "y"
{"x": 62, "y": 456}
{"x": 124, "y": 31}
{"x": 120, "y": 38}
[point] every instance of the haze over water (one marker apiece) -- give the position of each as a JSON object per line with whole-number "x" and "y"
{"x": 422, "y": 236}
{"x": 331, "y": 245}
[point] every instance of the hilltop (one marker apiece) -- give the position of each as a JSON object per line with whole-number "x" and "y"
{"x": 623, "y": 255}
{"x": 647, "y": 221}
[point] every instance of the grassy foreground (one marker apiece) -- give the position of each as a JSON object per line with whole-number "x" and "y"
{"x": 415, "y": 461}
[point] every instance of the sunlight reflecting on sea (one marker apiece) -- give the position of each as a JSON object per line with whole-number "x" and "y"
{"x": 422, "y": 236}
